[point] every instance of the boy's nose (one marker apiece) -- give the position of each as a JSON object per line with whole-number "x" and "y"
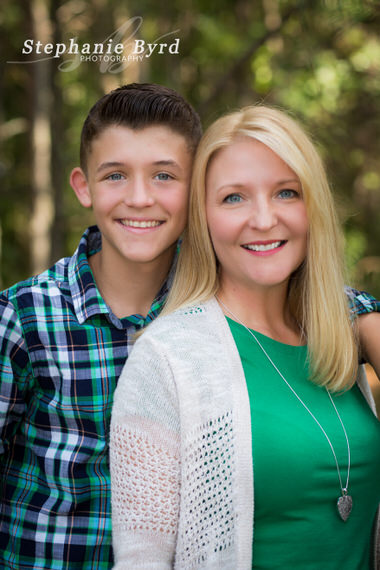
{"x": 139, "y": 195}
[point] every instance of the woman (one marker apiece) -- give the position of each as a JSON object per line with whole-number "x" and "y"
{"x": 241, "y": 433}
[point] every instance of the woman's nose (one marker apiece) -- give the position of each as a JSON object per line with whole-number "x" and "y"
{"x": 263, "y": 214}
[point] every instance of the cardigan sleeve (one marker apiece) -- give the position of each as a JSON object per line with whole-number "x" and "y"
{"x": 145, "y": 463}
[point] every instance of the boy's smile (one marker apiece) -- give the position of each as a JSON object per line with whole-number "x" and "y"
{"x": 137, "y": 185}
{"x": 141, "y": 224}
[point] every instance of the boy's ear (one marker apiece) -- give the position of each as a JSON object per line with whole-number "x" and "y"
{"x": 79, "y": 184}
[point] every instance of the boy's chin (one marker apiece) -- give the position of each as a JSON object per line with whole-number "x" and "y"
{"x": 150, "y": 256}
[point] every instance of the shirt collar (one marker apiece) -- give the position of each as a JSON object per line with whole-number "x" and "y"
{"x": 85, "y": 295}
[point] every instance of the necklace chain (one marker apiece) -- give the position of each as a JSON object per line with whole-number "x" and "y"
{"x": 344, "y": 489}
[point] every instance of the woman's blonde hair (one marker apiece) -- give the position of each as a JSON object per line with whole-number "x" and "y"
{"x": 316, "y": 289}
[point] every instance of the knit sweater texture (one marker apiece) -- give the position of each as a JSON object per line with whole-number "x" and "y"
{"x": 181, "y": 462}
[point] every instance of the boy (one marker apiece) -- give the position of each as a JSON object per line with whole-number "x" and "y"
{"x": 65, "y": 334}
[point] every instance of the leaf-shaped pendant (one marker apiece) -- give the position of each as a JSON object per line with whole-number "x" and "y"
{"x": 344, "y": 506}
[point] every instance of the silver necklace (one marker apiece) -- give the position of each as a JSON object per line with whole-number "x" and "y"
{"x": 344, "y": 502}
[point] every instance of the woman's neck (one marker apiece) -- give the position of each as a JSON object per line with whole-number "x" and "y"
{"x": 263, "y": 309}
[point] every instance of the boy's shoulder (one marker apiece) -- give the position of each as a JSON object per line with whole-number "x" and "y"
{"x": 57, "y": 280}
{"x": 38, "y": 299}
{"x": 63, "y": 295}
{"x": 44, "y": 283}
{"x": 361, "y": 302}
{"x": 28, "y": 302}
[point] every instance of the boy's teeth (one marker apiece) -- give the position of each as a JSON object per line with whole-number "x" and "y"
{"x": 142, "y": 224}
{"x": 263, "y": 247}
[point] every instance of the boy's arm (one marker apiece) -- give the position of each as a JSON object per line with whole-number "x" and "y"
{"x": 367, "y": 308}
{"x": 14, "y": 367}
{"x": 369, "y": 334}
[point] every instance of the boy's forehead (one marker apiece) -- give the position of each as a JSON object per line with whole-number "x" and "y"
{"x": 156, "y": 142}
{"x": 161, "y": 132}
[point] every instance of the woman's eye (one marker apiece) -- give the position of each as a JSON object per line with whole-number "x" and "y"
{"x": 288, "y": 193}
{"x": 115, "y": 176}
{"x": 232, "y": 199}
{"x": 163, "y": 176}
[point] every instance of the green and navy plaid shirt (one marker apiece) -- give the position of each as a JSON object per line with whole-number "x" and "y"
{"x": 361, "y": 302}
{"x": 62, "y": 351}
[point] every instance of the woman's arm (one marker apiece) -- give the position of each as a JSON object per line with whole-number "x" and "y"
{"x": 145, "y": 462}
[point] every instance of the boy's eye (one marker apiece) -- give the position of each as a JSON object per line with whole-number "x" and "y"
{"x": 115, "y": 176}
{"x": 232, "y": 199}
{"x": 163, "y": 176}
{"x": 288, "y": 193}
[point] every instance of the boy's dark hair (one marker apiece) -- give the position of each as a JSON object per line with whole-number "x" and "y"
{"x": 140, "y": 105}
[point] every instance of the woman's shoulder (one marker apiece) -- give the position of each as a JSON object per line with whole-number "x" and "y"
{"x": 186, "y": 316}
{"x": 198, "y": 318}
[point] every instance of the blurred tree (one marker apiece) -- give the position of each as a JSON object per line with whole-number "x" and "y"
{"x": 41, "y": 153}
{"x": 15, "y": 165}
{"x": 58, "y": 143}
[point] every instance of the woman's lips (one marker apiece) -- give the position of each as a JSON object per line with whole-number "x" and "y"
{"x": 264, "y": 247}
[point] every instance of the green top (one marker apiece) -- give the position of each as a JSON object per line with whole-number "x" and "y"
{"x": 296, "y": 484}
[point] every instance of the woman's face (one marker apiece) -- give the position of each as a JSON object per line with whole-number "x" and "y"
{"x": 256, "y": 216}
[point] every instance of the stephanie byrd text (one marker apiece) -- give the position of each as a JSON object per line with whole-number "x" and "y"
{"x": 105, "y": 48}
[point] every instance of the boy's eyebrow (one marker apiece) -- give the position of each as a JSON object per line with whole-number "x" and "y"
{"x": 116, "y": 164}
{"x": 166, "y": 163}
{"x": 105, "y": 165}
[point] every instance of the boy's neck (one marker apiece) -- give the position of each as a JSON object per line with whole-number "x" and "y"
{"x": 129, "y": 288}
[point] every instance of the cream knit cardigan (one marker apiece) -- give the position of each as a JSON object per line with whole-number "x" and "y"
{"x": 181, "y": 462}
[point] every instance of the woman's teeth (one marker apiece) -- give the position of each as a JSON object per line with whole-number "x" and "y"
{"x": 263, "y": 247}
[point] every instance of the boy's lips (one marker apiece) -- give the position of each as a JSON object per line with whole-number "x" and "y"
{"x": 264, "y": 246}
{"x": 144, "y": 224}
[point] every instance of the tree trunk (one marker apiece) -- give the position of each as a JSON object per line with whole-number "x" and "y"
{"x": 43, "y": 200}
{"x": 58, "y": 144}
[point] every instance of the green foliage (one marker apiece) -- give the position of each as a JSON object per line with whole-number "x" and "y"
{"x": 318, "y": 59}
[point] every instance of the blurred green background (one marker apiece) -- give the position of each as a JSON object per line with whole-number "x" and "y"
{"x": 320, "y": 60}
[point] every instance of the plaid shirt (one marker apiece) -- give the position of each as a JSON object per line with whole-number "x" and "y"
{"x": 62, "y": 351}
{"x": 361, "y": 302}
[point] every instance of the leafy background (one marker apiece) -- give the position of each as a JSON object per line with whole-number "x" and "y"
{"x": 319, "y": 59}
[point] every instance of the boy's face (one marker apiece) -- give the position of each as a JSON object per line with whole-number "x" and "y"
{"x": 137, "y": 184}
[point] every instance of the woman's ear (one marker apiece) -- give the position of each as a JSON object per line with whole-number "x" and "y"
{"x": 79, "y": 184}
